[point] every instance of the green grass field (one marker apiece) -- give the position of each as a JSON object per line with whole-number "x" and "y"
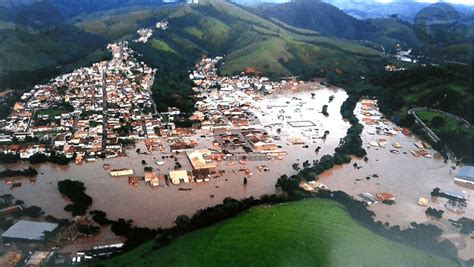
{"x": 449, "y": 124}
{"x": 311, "y": 232}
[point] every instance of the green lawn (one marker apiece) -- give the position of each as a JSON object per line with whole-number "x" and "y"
{"x": 449, "y": 124}
{"x": 305, "y": 233}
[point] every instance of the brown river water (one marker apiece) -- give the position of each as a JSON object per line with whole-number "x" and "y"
{"x": 405, "y": 176}
{"x": 158, "y": 207}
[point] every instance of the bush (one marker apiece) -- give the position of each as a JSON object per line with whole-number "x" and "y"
{"x": 434, "y": 213}
{"x": 100, "y": 217}
{"x": 75, "y": 191}
{"x": 25, "y": 172}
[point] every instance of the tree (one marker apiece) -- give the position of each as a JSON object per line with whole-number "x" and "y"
{"x": 183, "y": 222}
{"x": 437, "y": 121}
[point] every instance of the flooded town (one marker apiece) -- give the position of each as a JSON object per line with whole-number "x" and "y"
{"x": 247, "y": 131}
{"x": 244, "y": 134}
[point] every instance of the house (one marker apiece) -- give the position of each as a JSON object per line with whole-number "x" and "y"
{"x": 261, "y": 142}
{"x": 181, "y": 145}
{"x": 201, "y": 161}
{"x": 385, "y": 197}
{"x": 177, "y": 176}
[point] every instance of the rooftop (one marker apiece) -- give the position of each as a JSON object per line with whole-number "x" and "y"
{"x": 466, "y": 172}
{"x": 197, "y": 160}
{"x": 29, "y": 230}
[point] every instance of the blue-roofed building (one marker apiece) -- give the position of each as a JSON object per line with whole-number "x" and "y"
{"x": 29, "y": 230}
{"x": 465, "y": 175}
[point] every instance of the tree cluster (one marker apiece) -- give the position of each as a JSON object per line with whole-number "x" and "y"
{"x": 75, "y": 191}
{"x": 25, "y": 172}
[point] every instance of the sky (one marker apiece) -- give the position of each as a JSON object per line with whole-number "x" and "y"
{"x": 462, "y": 2}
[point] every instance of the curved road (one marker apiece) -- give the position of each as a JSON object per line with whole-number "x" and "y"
{"x": 430, "y": 132}
{"x": 459, "y": 119}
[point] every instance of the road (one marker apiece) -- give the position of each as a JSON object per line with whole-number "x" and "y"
{"x": 459, "y": 119}
{"x": 104, "y": 112}
{"x": 430, "y": 132}
{"x": 427, "y": 129}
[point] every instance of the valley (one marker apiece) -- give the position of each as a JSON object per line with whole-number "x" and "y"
{"x": 210, "y": 133}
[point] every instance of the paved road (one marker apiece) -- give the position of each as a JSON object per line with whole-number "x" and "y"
{"x": 427, "y": 129}
{"x": 104, "y": 112}
{"x": 459, "y": 119}
{"x": 430, "y": 132}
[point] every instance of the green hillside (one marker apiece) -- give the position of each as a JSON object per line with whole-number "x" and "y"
{"x": 248, "y": 40}
{"x": 436, "y": 27}
{"x": 30, "y": 56}
{"x": 305, "y": 233}
{"x": 391, "y": 32}
{"x": 316, "y": 15}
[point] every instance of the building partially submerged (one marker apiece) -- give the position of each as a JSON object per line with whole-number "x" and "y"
{"x": 177, "y": 176}
{"x": 465, "y": 175}
{"x": 29, "y": 231}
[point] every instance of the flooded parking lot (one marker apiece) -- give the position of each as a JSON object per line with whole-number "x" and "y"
{"x": 158, "y": 207}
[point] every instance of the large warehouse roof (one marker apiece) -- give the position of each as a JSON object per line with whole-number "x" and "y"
{"x": 29, "y": 230}
{"x": 466, "y": 173}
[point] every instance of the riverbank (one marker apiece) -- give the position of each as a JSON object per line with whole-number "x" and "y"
{"x": 314, "y": 232}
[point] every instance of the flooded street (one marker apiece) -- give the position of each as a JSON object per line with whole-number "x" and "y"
{"x": 158, "y": 207}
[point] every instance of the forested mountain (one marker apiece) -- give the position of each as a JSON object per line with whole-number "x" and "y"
{"x": 319, "y": 16}
{"x": 434, "y": 28}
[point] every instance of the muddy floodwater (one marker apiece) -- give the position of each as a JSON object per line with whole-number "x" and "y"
{"x": 158, "y": 207}
{"x": 406, "y": 177}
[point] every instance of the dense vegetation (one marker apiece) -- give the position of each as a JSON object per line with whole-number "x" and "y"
{"x": 25, "y": 172}
{"x": 75, "y": 191}
{"x": 37, "y": 158}
{"x": 432, "y": 212}
{"x": 456, "y": 135}
{"x": 316, "y": 15}
{"x": 35, "y": 56}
